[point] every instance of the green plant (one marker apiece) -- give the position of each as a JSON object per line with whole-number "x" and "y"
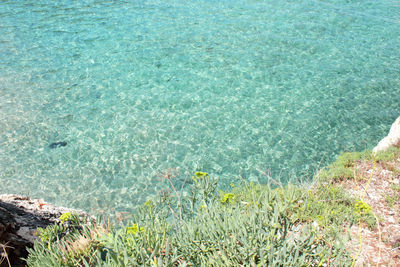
{"x": 388, "y": 155}
{"x": 331, "y": 207}
{"x": 251, "y": 226}
{"x": 255, "y": 231}
{"x": 395, "y": 188}
{"x": 227, "y": 198}
{"x": 66, "y": 243}
{"x": 65, "y": 217}
{"x": 344, "y": 166}
{"x": 394, "y": 196}
{"x": 392, "y": 199}
{"x": 362, "y": 208}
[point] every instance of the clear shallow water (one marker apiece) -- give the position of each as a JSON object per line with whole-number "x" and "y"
{"x": 142, "y": 88}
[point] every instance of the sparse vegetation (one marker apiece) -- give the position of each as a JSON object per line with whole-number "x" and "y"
{"x": 344, "y": 167}
{"x": 391, "y": 199}
{"x": 393, "y": 196}
{"x": 395, "y": 188}
{"x": 391, "y": 154}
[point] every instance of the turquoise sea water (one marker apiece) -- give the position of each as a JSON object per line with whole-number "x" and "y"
{"x": 143, "y": 89}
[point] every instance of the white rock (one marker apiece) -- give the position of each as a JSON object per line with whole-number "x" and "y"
{"x": 391, "y": 219}
{"x": 393, "y": 138}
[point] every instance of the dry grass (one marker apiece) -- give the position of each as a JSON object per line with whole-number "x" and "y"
{"x": 4, "y": 254}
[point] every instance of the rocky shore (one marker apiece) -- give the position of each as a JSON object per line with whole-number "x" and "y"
{"x": 19, "y": 219}
{"x": 20, "y": 216}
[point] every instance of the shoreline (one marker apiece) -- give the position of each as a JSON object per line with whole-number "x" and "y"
{"x": 369, "y": 176}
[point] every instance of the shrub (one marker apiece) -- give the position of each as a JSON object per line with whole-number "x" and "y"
{"x": 252, "y": 225}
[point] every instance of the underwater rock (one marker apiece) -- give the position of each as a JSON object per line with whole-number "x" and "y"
{"x": 57, "y": 144}
{"x": 392, "y": 139}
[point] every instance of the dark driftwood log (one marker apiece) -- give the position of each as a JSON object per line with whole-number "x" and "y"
{"x": 19, "y": 219}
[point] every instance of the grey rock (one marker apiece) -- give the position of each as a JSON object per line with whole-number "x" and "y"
{"x": 19, "y": 219}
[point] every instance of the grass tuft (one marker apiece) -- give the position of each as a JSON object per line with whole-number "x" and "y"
{"x": 344, "y": 167}
{"x": 390, "y": 154}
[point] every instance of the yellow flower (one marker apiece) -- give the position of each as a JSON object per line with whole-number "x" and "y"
{"x": 320, "y": 219}
{"x": 134, "y": 229}
{"x": 228, "y": 198}
{"x": 149, "y": 204}
{"x": 65, "y": 217}
{"x": 362, "y": 207}
{"x": 201, "y": 174}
